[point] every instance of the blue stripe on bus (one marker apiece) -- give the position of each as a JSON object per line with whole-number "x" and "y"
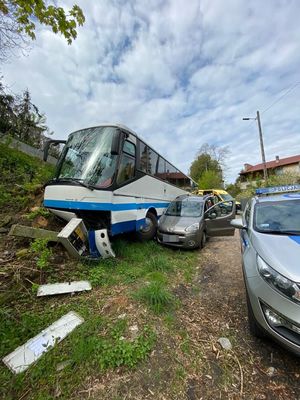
{"x": 82, "y": 205}
{"x": 121, "y": 227}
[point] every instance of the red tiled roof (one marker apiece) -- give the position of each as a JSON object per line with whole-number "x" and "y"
{"x": 272, "y": 164}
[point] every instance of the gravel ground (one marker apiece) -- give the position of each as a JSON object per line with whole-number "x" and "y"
{"x": 266, "y": 371}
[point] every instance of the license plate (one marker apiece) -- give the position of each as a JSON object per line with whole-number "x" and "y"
{"x": 170, "y": 238}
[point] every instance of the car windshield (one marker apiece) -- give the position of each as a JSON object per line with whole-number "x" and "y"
{"x": 87, "y": 157}
{"x": 226, "y": 197}
{"x": 282, "y": 217}
{"x": 185, "y": 208}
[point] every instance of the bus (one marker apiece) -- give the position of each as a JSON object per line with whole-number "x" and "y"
{"x": 112, "y": 179}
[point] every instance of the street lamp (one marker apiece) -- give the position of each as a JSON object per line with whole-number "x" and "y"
{"x": 263, "y": 157}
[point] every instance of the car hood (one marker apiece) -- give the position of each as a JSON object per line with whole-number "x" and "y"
{"x": 168, "y": 223}
{"x": 281, "y": 252}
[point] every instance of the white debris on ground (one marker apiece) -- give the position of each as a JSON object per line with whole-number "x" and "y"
{"x": 225, "y": 343}
{"x": 21, "y": 358}
{"x": 62, "y": 288}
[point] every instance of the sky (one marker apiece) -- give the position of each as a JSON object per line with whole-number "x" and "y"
{"x": 179, "y": 73}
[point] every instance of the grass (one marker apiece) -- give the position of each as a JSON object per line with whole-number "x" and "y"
{"x": 144, "y": 271}
{"x": 21, "y": 177}
{"x": 142, "y": 275}
{"x": 156, "y": 296}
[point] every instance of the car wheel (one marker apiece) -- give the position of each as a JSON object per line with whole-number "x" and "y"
{"x": 254, "y": 327}
{"x": 149, "y": 230}
{"x": 203, "y": 240}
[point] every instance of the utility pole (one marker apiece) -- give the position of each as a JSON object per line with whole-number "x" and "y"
{"x": 262, "y": 149}
{"x": 263, "y": 157}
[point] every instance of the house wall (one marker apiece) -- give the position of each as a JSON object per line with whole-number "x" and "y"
{"x": 251, "y": 178}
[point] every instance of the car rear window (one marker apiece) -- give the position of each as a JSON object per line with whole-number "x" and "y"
{"x": 278, "y": 217}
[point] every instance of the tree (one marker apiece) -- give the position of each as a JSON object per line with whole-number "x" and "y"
{"x": 208, "y": 158}
{"x": 18, "y": 22}
{"x": 7, "y": 115}
{"x": 20, "y": 118}
{"x": 210, "y": 179}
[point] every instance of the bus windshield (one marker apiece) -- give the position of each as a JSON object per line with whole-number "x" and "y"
{"x": 87, "y": 157}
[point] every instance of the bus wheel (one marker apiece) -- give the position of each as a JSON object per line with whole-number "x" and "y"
{"x": 148, "y": 231}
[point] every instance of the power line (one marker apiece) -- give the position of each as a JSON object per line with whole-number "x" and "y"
{"x": 281, "y": 97}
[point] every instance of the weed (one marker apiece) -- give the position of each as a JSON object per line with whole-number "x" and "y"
{"x": 156, "y": 296}
{"x": 112, "y": 349}
{"x": 34, "y": 288}
{"x": 38, "y": 212}
{"x": 159, "y": 263}
{"x": 39, "y": 247}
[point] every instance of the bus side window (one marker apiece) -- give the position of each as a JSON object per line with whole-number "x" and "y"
{"x": 152, "y": 161}
{"x": 143, "y": 157}
{"x": 126, "y": 169}
{"x": 127, "y": 165}
{"x": 129, "y": 148}
{"x": 161, "y": 169}
{"x": 171, "y": 173}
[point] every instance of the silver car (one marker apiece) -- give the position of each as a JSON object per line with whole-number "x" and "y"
{"x": 189, "y": 220}
{"x": 270, "y": 244}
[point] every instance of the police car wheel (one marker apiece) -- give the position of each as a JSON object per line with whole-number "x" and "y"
{"x": 148, "y": 232}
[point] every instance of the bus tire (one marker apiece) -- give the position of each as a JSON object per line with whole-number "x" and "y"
{"x": 149, "y": 231}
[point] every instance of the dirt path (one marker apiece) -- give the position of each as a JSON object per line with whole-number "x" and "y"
{"x": 247, "y": 367}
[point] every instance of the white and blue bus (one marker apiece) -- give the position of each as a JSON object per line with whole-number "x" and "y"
{"x": 113, "y": 180}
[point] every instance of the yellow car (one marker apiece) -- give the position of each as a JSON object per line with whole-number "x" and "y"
{"x": 221, "y": 195}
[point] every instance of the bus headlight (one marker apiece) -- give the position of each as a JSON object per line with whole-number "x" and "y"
{"x": 192, "y": 228}
{"x": 277, "y": 281}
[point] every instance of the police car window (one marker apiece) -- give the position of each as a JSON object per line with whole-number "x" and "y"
{"x": 247, "y": 213}
{"x": 278, "y": 217}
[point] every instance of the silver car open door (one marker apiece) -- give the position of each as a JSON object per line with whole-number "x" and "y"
{"x": 218, "y": 217}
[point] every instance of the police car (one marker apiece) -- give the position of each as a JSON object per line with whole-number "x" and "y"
{"x": 270, "y": 245}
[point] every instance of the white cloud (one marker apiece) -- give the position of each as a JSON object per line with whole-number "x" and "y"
{"x": 179, "y": 73}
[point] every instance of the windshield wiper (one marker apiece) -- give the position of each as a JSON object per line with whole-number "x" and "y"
{"x": 80, "y": 181}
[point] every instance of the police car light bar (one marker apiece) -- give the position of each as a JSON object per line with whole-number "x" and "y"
{"x": 278, "y": 189}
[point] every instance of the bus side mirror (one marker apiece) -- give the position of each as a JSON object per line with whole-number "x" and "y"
{"x": 48, "y": 143}
{"x": 115, "y": 144}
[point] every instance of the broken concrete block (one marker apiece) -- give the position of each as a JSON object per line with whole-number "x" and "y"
{"x": 21, "y": 358}
{"x": 62, "y": 288}
{"x": 33, "y": 233}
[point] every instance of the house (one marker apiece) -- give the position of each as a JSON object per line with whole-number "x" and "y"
{"x": 252, "y": 173}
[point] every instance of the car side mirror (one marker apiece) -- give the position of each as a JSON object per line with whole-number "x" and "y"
{"x": 238, "y": 223}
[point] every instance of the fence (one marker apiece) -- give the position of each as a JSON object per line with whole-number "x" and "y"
{"x": 25, "y": 148}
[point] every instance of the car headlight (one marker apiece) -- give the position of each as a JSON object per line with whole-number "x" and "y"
{"x": 279, "y": 282}
{"x": 192, "y": 228}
